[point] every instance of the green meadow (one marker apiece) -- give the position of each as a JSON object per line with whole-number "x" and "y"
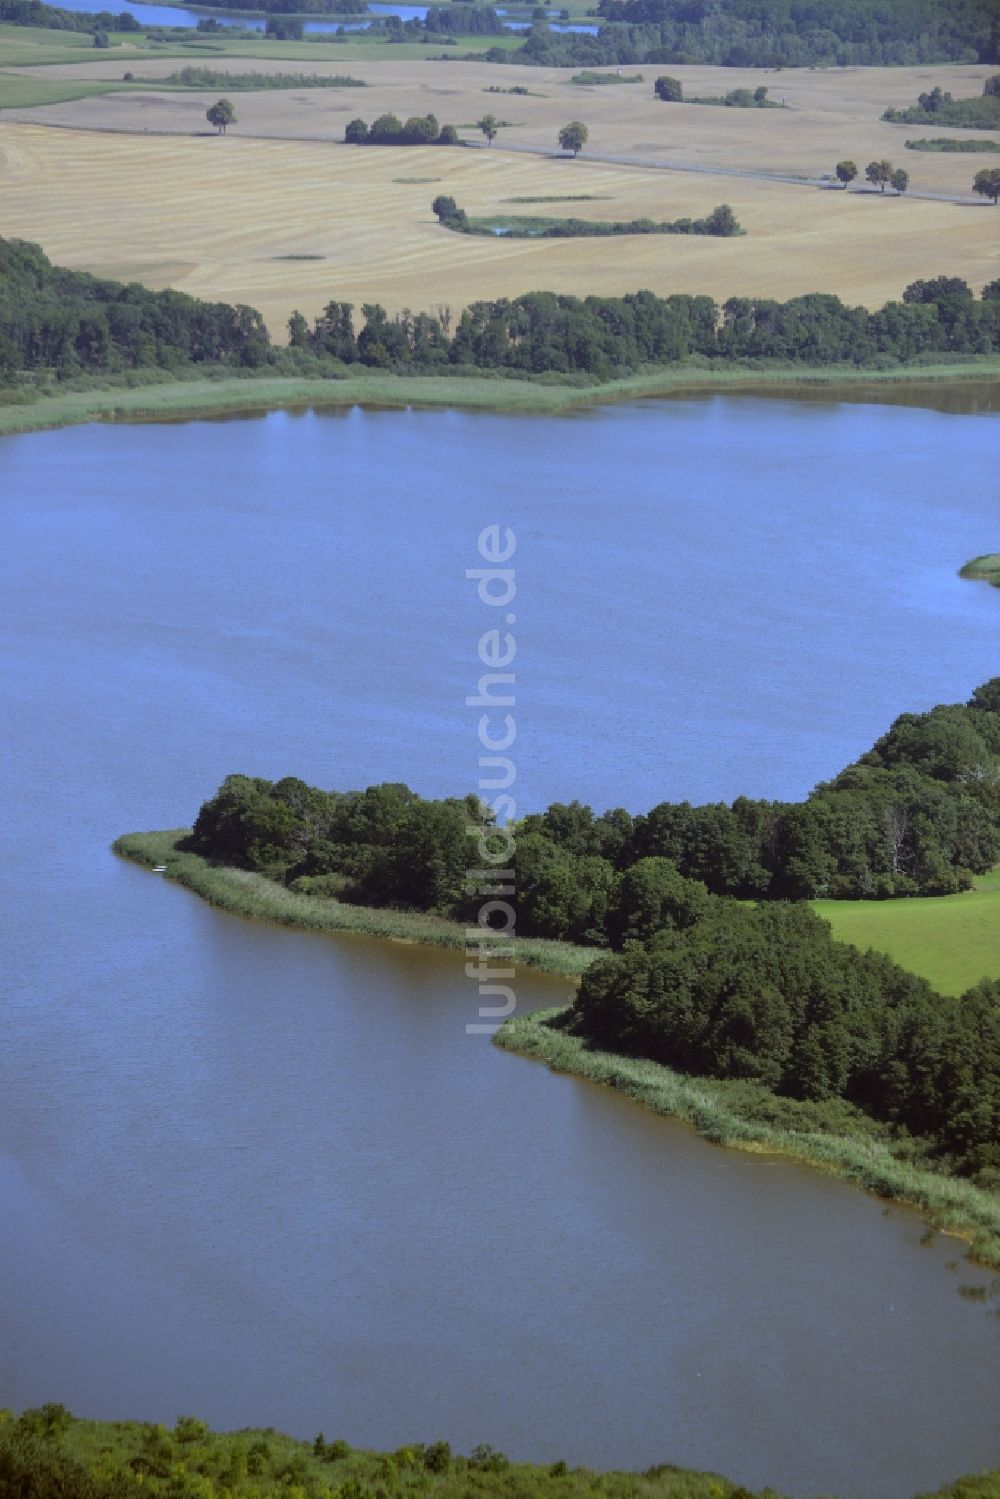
{"x": 951, "y": 940}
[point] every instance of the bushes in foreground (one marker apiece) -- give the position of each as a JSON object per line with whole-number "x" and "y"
{"x": 47, "y": 1454}
{"x": 113, "y": 1460}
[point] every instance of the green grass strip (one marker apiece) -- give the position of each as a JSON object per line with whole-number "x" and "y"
{"x": 25, "y": 410}
{"x": 951, "y": 1204}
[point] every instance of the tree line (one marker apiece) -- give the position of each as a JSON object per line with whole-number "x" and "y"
{"x": 714, "y": 965}
{"x": 65, "y": 323}
{"x": 721, "y": 222}
{"x": 918, "y": 814}
{"x": 606, "y": 337}
{"x": 389, "y": 130}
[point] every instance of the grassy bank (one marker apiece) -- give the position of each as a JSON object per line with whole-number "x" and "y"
{"x": 985, "y": 569}
{"x": 191, "y": 398}
{"x": 259, "y": 899}
{"x": 950, "y": 940}
{"x": 750, "y": 1118}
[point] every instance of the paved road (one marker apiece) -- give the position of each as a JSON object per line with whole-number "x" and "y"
{"x": 699, "y": 169}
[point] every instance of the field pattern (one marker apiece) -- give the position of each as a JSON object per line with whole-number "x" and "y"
{"x": 135, "y": 185}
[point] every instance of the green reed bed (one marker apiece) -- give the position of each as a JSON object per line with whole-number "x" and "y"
{"x": 257, "y": 898}
{"x": 725, "y": 1114}
{"x": 985, "y": 569}
{"x": 167, "y": 396}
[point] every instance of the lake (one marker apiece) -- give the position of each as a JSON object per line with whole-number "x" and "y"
{"x": 177, "y": 15}
{"x": 267, "y": 1177}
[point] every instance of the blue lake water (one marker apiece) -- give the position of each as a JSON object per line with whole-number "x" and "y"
{"x": 268, "y": 1177}
{"x": 176, "y": 15}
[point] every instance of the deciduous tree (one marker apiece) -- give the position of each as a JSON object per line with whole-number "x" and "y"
{"x": 879, "y": 174}
{"x": 670, "y": 90}
{"x": 574, "y": 136}
{"x": 221, "y": 114}
{"x": 987, "y": 182}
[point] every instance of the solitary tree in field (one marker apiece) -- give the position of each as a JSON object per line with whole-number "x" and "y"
{"x": 489, "y": 125}
{"x": 987, "y": 183}
{"x": 879, "y": 174}
{"x": 900, "y": 180}
{"x": 221, "y": 114}
{"x": 670, "y": 90}
{"x": 574, "y": 136}
{"x": 846, "y": 171}
{"x": 760, "y": 94}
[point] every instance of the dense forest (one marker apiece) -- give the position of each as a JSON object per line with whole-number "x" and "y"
{"x": 66, "y": 321}
{"x": 61, "y": 324}
{"x": 712, "y": 966}
{"x": 773, "y": 34}
{"x": 46, "y": 1453}
{"x": 918, "y": 814}
{"x": 763, "y": 994}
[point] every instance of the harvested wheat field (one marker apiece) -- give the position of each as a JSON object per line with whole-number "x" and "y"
{"x": 142, "y": 192}
{"x": 829, "y": 114}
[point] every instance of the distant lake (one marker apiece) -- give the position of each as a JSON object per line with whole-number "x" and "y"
{"x": 176, "y": 15}
{"x": 267, "y": 1177}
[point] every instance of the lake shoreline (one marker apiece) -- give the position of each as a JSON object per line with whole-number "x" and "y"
{"x": 187, "y": 400}
{"x": 952, "y": 1205}
{"x": 256, "y": 898}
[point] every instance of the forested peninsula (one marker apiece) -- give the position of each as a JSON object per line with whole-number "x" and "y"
{"x": 697, "y": 951}
{"x": 64, "y": 334}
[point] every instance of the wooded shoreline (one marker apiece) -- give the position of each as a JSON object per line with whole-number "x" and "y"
{"x": 719, "y": 1112}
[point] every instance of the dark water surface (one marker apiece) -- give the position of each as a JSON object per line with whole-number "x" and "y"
{"x": 267, "y": 1177}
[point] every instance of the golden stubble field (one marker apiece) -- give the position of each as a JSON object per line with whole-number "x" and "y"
{"x": 131, "y": 186}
